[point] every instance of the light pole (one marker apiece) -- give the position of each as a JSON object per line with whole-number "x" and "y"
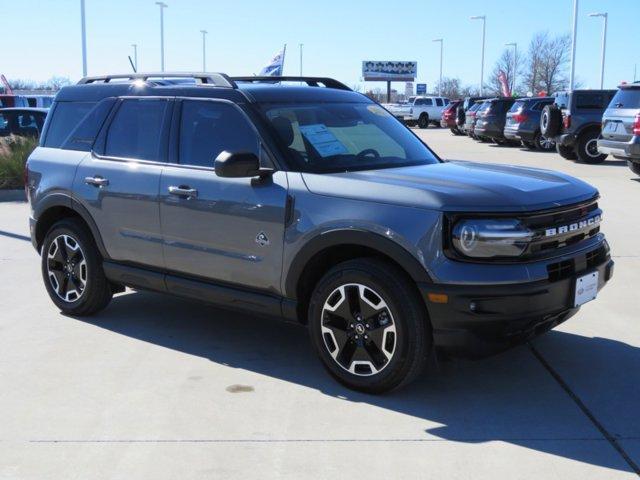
{"x": 605, "y": 16}
{"x": 574, "y": 34}
{"x": 484, "y": 24}
{"x": 204, "y": 50}
{"x": 162, "y": 6}
{"x": 440, "y": 81}
{"x": 301, "y": 45}
{"x": 135, "y": 55}
{"x": 515, "y": 64}
{"x": 84, "y": 39}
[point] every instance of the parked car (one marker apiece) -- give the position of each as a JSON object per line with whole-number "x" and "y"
{"x": 25, "y": 122}
{"x": 449, "y": 117}
{"x": 311, "y": 203}
{"x": 491, "y": 118}
{"x": 620, "y": 135}
{"x": 466, "y": 104}
{"x": 40, "y": 101}
{"x": 523, "y": 123}
{"x": 470, "y": 118}
{"x": 10, "y": 100}
{"x": 420, "y": 111}
{"x": 574, "y": 121}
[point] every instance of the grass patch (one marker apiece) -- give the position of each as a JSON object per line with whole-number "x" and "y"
{"x": 14, "y": 152}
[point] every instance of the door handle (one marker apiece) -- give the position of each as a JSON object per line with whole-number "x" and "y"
{"x": 96, "y": 181}
{"x": 183, "y": 191}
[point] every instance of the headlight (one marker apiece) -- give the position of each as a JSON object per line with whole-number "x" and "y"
{"x": 491, "y": 238}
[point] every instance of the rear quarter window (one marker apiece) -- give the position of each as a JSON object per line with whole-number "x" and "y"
{"x": 66, "y": 116}
{"x": 589, "y": 101}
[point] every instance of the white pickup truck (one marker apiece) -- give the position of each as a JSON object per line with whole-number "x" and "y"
{"x": 419, "y": 111}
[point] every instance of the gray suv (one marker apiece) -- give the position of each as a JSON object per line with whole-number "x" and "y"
{"x": 620, "y": 135}
{"x": 310, "y": 202}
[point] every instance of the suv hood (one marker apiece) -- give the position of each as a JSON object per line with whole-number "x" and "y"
{"x": 456, "y": 186}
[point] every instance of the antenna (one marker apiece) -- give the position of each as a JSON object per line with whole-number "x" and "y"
{"x": 133, "y": 67}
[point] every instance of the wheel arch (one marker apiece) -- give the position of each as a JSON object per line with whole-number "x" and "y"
{"x": 328, "y": 249}
{"x": 58, "y": 206}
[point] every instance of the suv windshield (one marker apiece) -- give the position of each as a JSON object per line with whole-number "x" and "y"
{"x": 626, "y": 98}
{"x": 338, "y": 137}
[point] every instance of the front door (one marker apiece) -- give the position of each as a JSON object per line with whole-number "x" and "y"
{"x": 119, "y": 182}
{"x": 225, "y": 230}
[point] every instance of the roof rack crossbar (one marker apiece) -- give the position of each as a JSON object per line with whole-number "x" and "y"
{"x": 201, "y": 78}
{"x": 311, "y": 81}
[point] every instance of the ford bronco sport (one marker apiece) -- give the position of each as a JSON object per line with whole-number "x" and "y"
{"x": 308, "y": 202}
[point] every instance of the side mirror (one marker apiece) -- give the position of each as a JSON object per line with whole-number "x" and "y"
{"x": 239, "y": 165}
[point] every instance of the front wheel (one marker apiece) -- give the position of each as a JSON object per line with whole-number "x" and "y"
{"x": 72, "y": 269}
{"x": 423, "y": 121}
{"x": 635, "y": 167}
{"x": 544, "y": 144}
{"x": 368, "y": 326}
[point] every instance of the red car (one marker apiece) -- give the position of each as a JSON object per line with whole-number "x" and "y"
{"x": 449, "y": 117}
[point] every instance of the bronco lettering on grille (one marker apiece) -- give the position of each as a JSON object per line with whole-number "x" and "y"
{"x": 573, "y": 227}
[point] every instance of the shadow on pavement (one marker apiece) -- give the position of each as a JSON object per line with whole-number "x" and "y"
{"x": 509, "y": 397}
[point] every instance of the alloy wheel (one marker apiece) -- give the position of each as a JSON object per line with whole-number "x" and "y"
{"x": 67, "y": 268}
{"x": 592, "y": 148}
{"x": 358, "y": 329}
{"x": 545, "y": 144}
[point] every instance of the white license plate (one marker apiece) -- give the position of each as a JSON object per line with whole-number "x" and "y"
{"x": 611, "y": 127}
{"x": 586, "y": 288}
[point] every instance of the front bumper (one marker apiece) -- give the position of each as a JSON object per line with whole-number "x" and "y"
{"x": 629, "y": 149}
{"x": 479, "y": 320}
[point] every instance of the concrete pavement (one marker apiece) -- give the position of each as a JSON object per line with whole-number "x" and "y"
{"x": 161, "y": 387}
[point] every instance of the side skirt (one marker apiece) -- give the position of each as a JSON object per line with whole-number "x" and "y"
{"x": 225, "y": 296}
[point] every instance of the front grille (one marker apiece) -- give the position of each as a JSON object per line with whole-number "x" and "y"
{"x": 577, "y": 265}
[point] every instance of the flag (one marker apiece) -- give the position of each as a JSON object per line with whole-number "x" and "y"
{"x": 502, "y": 78}
{"x": 274, "y": 68}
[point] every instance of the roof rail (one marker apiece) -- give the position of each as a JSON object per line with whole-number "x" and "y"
{"x": 311, "y": 81}
{"x": 214, "y": 79}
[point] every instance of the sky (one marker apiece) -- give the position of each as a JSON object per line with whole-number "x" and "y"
{"x": 42, "y": 37}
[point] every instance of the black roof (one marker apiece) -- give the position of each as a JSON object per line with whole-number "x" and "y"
{"x": 207, "y": 85}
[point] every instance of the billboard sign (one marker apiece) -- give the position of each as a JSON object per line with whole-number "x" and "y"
{"x": 389, "y": 71}
{"x": 421, "y": 89}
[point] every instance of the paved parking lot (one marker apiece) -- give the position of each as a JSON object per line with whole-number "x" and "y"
{"x": 158, "y": 387}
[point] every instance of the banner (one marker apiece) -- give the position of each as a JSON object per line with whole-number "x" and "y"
{"x": 390, "y": 71}
{"x": 502, "y": 78}
{"x": 275, "y": 67}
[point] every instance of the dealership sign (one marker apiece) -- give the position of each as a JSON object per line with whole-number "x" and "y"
{"x": 421, "y": 89}
{"x": 389, "y": 71}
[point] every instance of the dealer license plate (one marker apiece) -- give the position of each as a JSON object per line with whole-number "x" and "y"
{"x": 586, "y": 288}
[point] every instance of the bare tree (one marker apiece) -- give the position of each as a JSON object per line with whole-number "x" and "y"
{"x": 547, "y": 63}
{"x": 450, "y": 88}
{"x": 510, "y": 66}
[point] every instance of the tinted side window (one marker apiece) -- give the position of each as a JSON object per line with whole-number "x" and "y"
{"x": 589, "y": 100}
{"x": 439, "y": 102}
{"x": 419, "y": 102}
{"x": 428, "y": 102}
{"x": 208, "y": 128}
{"x": 136, "y": 130}
{"x": 66, "y": 116}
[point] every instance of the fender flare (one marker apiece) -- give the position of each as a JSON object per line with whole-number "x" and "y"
{"x": 59, "y": 199}
{"x": 363, "y": 238}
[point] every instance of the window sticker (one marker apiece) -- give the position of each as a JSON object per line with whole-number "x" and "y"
{"x": 323, "y": 140}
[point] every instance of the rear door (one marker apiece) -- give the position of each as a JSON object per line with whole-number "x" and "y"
{"x": 118, "y": 181}
{"x": 618, "y": 119}
{"x": 227, "y": 230}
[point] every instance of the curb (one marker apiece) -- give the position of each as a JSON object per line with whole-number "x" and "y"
{"x": 13, "y": 196}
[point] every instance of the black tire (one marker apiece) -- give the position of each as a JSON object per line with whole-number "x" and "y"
{"x": 76, "y": 269}
{"x": 403, "y": 308}
{"x": 550, "y": 121}
{"x": 423, "y": 120}
{"x": 529, "y": 145}
{"x": 461, "y": 116}
{"x": 587, "y": 148}
{"x": 635, "y": 167}
{"x": 567, "y": 153}
{"x": 543, "y": 144}
{"x": 455, "y": 131}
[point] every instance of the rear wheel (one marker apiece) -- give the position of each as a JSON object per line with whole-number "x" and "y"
{"x": 368, "y": 326}
{"x": 635, "y": 167}
{"x": 423, "y": 121}
{"x": 587, "y": 148}
{"x": 72, "y": 269}
{"x": 543, "y": 144}
{"x": 568, "y": 153}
